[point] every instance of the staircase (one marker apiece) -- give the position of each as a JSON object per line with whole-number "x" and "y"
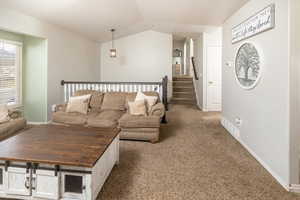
{"x": 183, "y": 91}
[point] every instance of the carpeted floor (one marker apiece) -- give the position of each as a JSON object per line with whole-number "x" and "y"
{"x": 195, "y": 159}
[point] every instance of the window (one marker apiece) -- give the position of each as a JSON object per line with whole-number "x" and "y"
{"x": 10, "y": 73}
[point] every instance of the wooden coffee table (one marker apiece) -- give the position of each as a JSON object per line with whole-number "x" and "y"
{"x": 57, "y": 162}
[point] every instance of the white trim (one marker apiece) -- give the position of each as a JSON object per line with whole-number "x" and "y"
{"x": 232, "y": 129}
{"x": 19, "y": 77}
{"x": 39, "y": 123}
{"x": 12, "y": 42}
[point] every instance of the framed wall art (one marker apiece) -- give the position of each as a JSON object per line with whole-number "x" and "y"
{"x": 260, "y": 22}
{"x": 247, "y": 66}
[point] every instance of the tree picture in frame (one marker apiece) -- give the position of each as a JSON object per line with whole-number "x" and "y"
{"x": 247, "y": 66}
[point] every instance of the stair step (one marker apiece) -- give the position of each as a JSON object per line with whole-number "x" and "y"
{"x": 190, "y": 102}
{"x": 182, "y": 79}
{"x": 183, "y": 83}
{"x": 183, "y": 89}
{"x": 182, "y": 99}
{"x": 184, "y": 95}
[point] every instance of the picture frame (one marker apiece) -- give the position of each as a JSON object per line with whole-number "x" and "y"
{"x": 260, "y": 22}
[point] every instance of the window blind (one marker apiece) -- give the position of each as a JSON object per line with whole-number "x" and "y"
{"x": 9, "y": 73}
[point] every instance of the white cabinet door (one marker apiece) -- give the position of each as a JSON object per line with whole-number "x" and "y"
{"x": 17, "y": 181}
{"x": 45, "y": 184}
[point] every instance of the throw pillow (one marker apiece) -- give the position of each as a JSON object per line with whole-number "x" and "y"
{"x": 137, "y": 108}
{"x": 79, "y": 104}
{"x": 114, "y": 101}
{"x": 4, "y": 117}
{"x": 150, "y": 100}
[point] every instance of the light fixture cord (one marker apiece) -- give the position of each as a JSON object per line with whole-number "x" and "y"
{"x": 112, "y": 35}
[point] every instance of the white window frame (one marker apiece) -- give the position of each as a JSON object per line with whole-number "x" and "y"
{"x": 19, "y": 72}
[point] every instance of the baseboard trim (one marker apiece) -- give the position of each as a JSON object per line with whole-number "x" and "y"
{"x": 38, "y": 123}
{"x": 235, "y": 132}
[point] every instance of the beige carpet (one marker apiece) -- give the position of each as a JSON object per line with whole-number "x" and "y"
{"x": 195, "y": 160}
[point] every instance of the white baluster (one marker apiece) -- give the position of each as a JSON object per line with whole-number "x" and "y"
{"x": 65, "y": 92}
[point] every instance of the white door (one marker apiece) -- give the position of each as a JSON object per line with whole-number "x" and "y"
{"x": 214, "y": 78}
{"x": 45, "y": 184}
{"x": 17, "y": 181}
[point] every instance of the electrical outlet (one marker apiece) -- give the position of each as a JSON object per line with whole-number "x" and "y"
{"x": 238, "y": 121}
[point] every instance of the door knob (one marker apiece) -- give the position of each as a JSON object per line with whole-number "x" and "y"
{"x": 210, "y": 82}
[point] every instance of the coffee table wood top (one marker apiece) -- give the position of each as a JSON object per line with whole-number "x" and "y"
{"x": 58, "y": 145}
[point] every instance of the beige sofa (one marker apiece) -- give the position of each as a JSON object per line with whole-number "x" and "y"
{"x": 15, "y": 124}
{"x": 109, "y": 110}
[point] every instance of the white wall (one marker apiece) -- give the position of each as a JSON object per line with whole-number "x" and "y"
{"x": 198, "y": 57}
{"x": 70, "y": 55}
{"x": 146, "y": 56}
{"x": 265, "y": 109}
{"x": 294, "y": 91}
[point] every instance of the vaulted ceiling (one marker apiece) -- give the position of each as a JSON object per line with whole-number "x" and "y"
{"x": 94, "y": 18}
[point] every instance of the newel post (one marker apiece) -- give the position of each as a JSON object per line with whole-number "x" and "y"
{"x": 165, "y": 96}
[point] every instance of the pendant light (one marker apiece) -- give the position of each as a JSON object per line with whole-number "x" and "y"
{"x": 113, "y": 50}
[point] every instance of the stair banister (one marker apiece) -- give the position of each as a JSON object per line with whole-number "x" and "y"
{"x": 194, "y": 68}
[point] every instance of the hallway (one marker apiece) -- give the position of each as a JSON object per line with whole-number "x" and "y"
{"x": 195, "y": 159}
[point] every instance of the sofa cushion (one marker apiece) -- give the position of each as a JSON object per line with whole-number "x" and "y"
{"x": 130, "y": 96}
{"x": 79, "y": 104}
{"x": 133, "y": 121}
{"x": 83, "y": 92}
{"x": 69, "y": 118}
{"x": 154, "y": 94}
{"x": 137, "y": 108}
{"x": 11, "y": 127}
{"x": 96, "y": 98}
{"x": 106, "y": 119}
{"x": 114, "y": 101}
{"x": 149, "y": 100}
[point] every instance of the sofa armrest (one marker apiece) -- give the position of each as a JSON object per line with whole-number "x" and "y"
{"x": 157, "y": 110}
{"x": 59, "y": 107}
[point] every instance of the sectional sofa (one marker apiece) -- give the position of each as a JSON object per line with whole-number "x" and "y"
{"x": 15, "y": 124}
{"x": 110, "y": 110}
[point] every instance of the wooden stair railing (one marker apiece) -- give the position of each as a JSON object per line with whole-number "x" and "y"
{"x": 194, "y": 68}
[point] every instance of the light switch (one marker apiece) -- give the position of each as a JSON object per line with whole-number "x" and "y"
{"x": 229, "y": 64}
